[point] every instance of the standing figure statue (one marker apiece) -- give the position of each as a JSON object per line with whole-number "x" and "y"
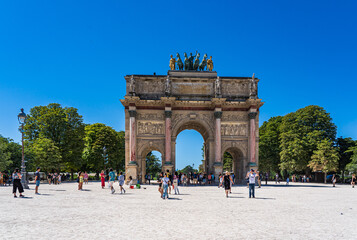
{"x": 191, "y": 61}
{"x": 172, "y": 63}
{"x": 253, "y": 88}
{"x": 187, "y": 62}
{"x": 197, "y": 62}
{"x": 210, "y": 64}
{"x": 132, "y": 86}
{"x": 168, "y": 86}
{"x": 179, "y": 62}
{"x": 218, "y": 88}
{"x": 203, "y": 64}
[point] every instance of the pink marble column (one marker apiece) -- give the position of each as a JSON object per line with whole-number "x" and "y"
{"x": 252, "y": 138}
{"x": 168, "y": 115}
{"x": 218, "y": 147}
{"x": 132, "y": 137}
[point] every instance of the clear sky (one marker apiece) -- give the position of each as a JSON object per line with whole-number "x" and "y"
{"x": 76, "y": 53}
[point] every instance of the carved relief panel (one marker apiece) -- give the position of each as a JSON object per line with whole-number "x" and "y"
{"x": 234, "y": 129}
{"x": 151, "y": 128}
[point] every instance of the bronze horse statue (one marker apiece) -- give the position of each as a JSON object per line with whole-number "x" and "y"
{"x": 203, "y": 64}
{"x": 197, "y": 62}
{"x": 187, "y": 62}
{"x": 179, "y": 62}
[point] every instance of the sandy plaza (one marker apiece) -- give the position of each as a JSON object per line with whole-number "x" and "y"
{"x": 297, "y": 211}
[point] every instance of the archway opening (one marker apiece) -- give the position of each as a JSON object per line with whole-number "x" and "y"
{"x": 233, "y": 163}
{"x": 189, "y": 151}
{"x": 153, "y": 166}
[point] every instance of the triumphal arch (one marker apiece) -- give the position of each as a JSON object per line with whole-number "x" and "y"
{"x": 224, "y": 110}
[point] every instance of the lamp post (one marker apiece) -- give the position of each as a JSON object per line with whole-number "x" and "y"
{"x": 105, "y": 156}
{"x": 22, "y": 118}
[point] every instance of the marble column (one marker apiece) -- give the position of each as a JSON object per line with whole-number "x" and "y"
{"x": 218, "y": 148}
{"x": 132, "y": 137}
{"x": 252, "y": 139}
{"x": 168, "y": 115}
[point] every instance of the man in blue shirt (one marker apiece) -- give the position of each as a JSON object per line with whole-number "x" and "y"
{"x": 37, "y": 180}
{"x": 112, "y": 180}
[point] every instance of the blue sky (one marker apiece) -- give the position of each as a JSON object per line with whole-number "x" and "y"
{"x": 76, "y": 53}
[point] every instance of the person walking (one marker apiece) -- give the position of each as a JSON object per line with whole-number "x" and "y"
{"x": 259, "y": 179}
{"x": 334, "y": 180}
{"x": 159, "y": 180}
{"x": 149, "y": 178}
{"x": 16, "y": 177}
{"x": 80, "y": 180}
{"x": 353, "y": 180}
{"x": 251, "y": 176}
{"x": 121, "y": 182}
{"x": 220, "y": 178}
{"x": 227, "y": 182}
{"x": 86, "y": 178}
{"x": 102, "y": 179}
{"x": 165, "y": 185}
{"x": 175, "y": 183}
{"x": 112, "y": 180}
{"x": 37, "y": 180}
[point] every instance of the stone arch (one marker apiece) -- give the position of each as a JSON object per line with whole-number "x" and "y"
{"x": 143, "y": 151}
{"x": 239, "y": 160}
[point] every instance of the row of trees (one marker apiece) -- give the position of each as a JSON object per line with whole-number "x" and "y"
{"x": 304, "y": 141}
{"x": 56, "y": 139}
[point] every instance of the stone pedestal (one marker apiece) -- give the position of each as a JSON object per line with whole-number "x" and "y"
{"x": 132, "y": 170}
{"x": 218, "y": 168}
{"x": 168, "y": 166}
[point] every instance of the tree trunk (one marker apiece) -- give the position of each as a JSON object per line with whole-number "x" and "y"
{"x": 325, "y": 177}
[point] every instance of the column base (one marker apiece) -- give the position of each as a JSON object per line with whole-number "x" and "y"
{"x": 253, "y": 165}
{"x": 132, "y": 170}
{"x": 218, "y": 169}
{"x": 168, "y": 166}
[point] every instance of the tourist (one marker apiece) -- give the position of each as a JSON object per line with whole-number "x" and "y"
{"x": 49, "y": 177}
{"x": 353, "y": 180}
{"x": 16, "y": 176}
{"x": 220, "y": 180}
{"x": 37, "y": 180}
{"x": 1, "y": 179}
{"x": 111, "y": 180}
{"x": 6, "y": 178}
{"x": 209, "y": 178}
{"x": 165, "y": 185}
{"x": 170, "y": 178}
{"x": 277, "y": 178}
{"x": 159, "y": 180}
{"x": 260, "y": 176}
{"x": 227, "y": 182}
{"x": 80, "y": 180}
{"x": 175, "y": 183}
{"x": 149, "y": 178}
{"x": 334, "y": 180}
{"x": 194, "y": 176}
{"x": 130, "y": 181}
{"x": 86, "y": 178}
{"x": 59, "y": 179}
{"x": 102, "y": 179}
{"x": 212, "y": 177}
{"x": 287, "y": 180}
{"x": 266, "y": 178}
{"x": 251, "y": 176}
{"x": 121, "y": 182}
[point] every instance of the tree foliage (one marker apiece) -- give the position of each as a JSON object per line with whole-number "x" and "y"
{"x": 188, "y": 169}
{"x": 352, "y": 166}
{"x": 269, "y": 145}
{"x": 301, "y": 132}
{"x": 46, "y": 155}
{"x": 63, "y": 126}
{"x": 10, "y": 154}
{"x": 153, "y": 164}
{"x": 344, "y": 145}
{"x": 96, "y": 137}
{"x": 227, "y": 162}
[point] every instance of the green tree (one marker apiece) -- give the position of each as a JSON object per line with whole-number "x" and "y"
{"x": 325, "y": 158}
{"x": 188, "y": 169}
{"x": 46, "y": 155}
{"x": 227, "y": 162}
{"x": 352, "y": 166}
{"x": 96, "y": 137}
{"x": 5, "y": 156}
{"x": 63, "y": 125}
{"x": 343, "y": 145}
{"x": 301, "y": 132}
{"x": 153, "y": 164}
{"x": 269, "y": 145}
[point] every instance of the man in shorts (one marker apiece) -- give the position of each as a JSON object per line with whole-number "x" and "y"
{"x": 121, "y": 182}
{"x": 112, "y": 180}
{"x": 37, "y": 180}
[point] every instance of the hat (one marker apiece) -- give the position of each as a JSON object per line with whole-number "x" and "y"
{"x": 252, "y": 170}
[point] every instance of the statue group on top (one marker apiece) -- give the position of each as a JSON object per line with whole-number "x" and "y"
{"x": 191, "y": 63}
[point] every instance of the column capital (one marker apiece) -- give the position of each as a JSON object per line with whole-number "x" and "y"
{"x": 132, "y": 113}
{"x": 218, "y": 114}
{"x": 168, "y": 114}
{"x": 252, "y": 115}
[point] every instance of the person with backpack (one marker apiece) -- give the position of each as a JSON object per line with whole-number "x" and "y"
{"x": 251, "y": 178}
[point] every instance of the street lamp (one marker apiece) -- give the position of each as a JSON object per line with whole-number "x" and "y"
{"x": 105, "y": 155}
{"x": 22, "y": 118}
